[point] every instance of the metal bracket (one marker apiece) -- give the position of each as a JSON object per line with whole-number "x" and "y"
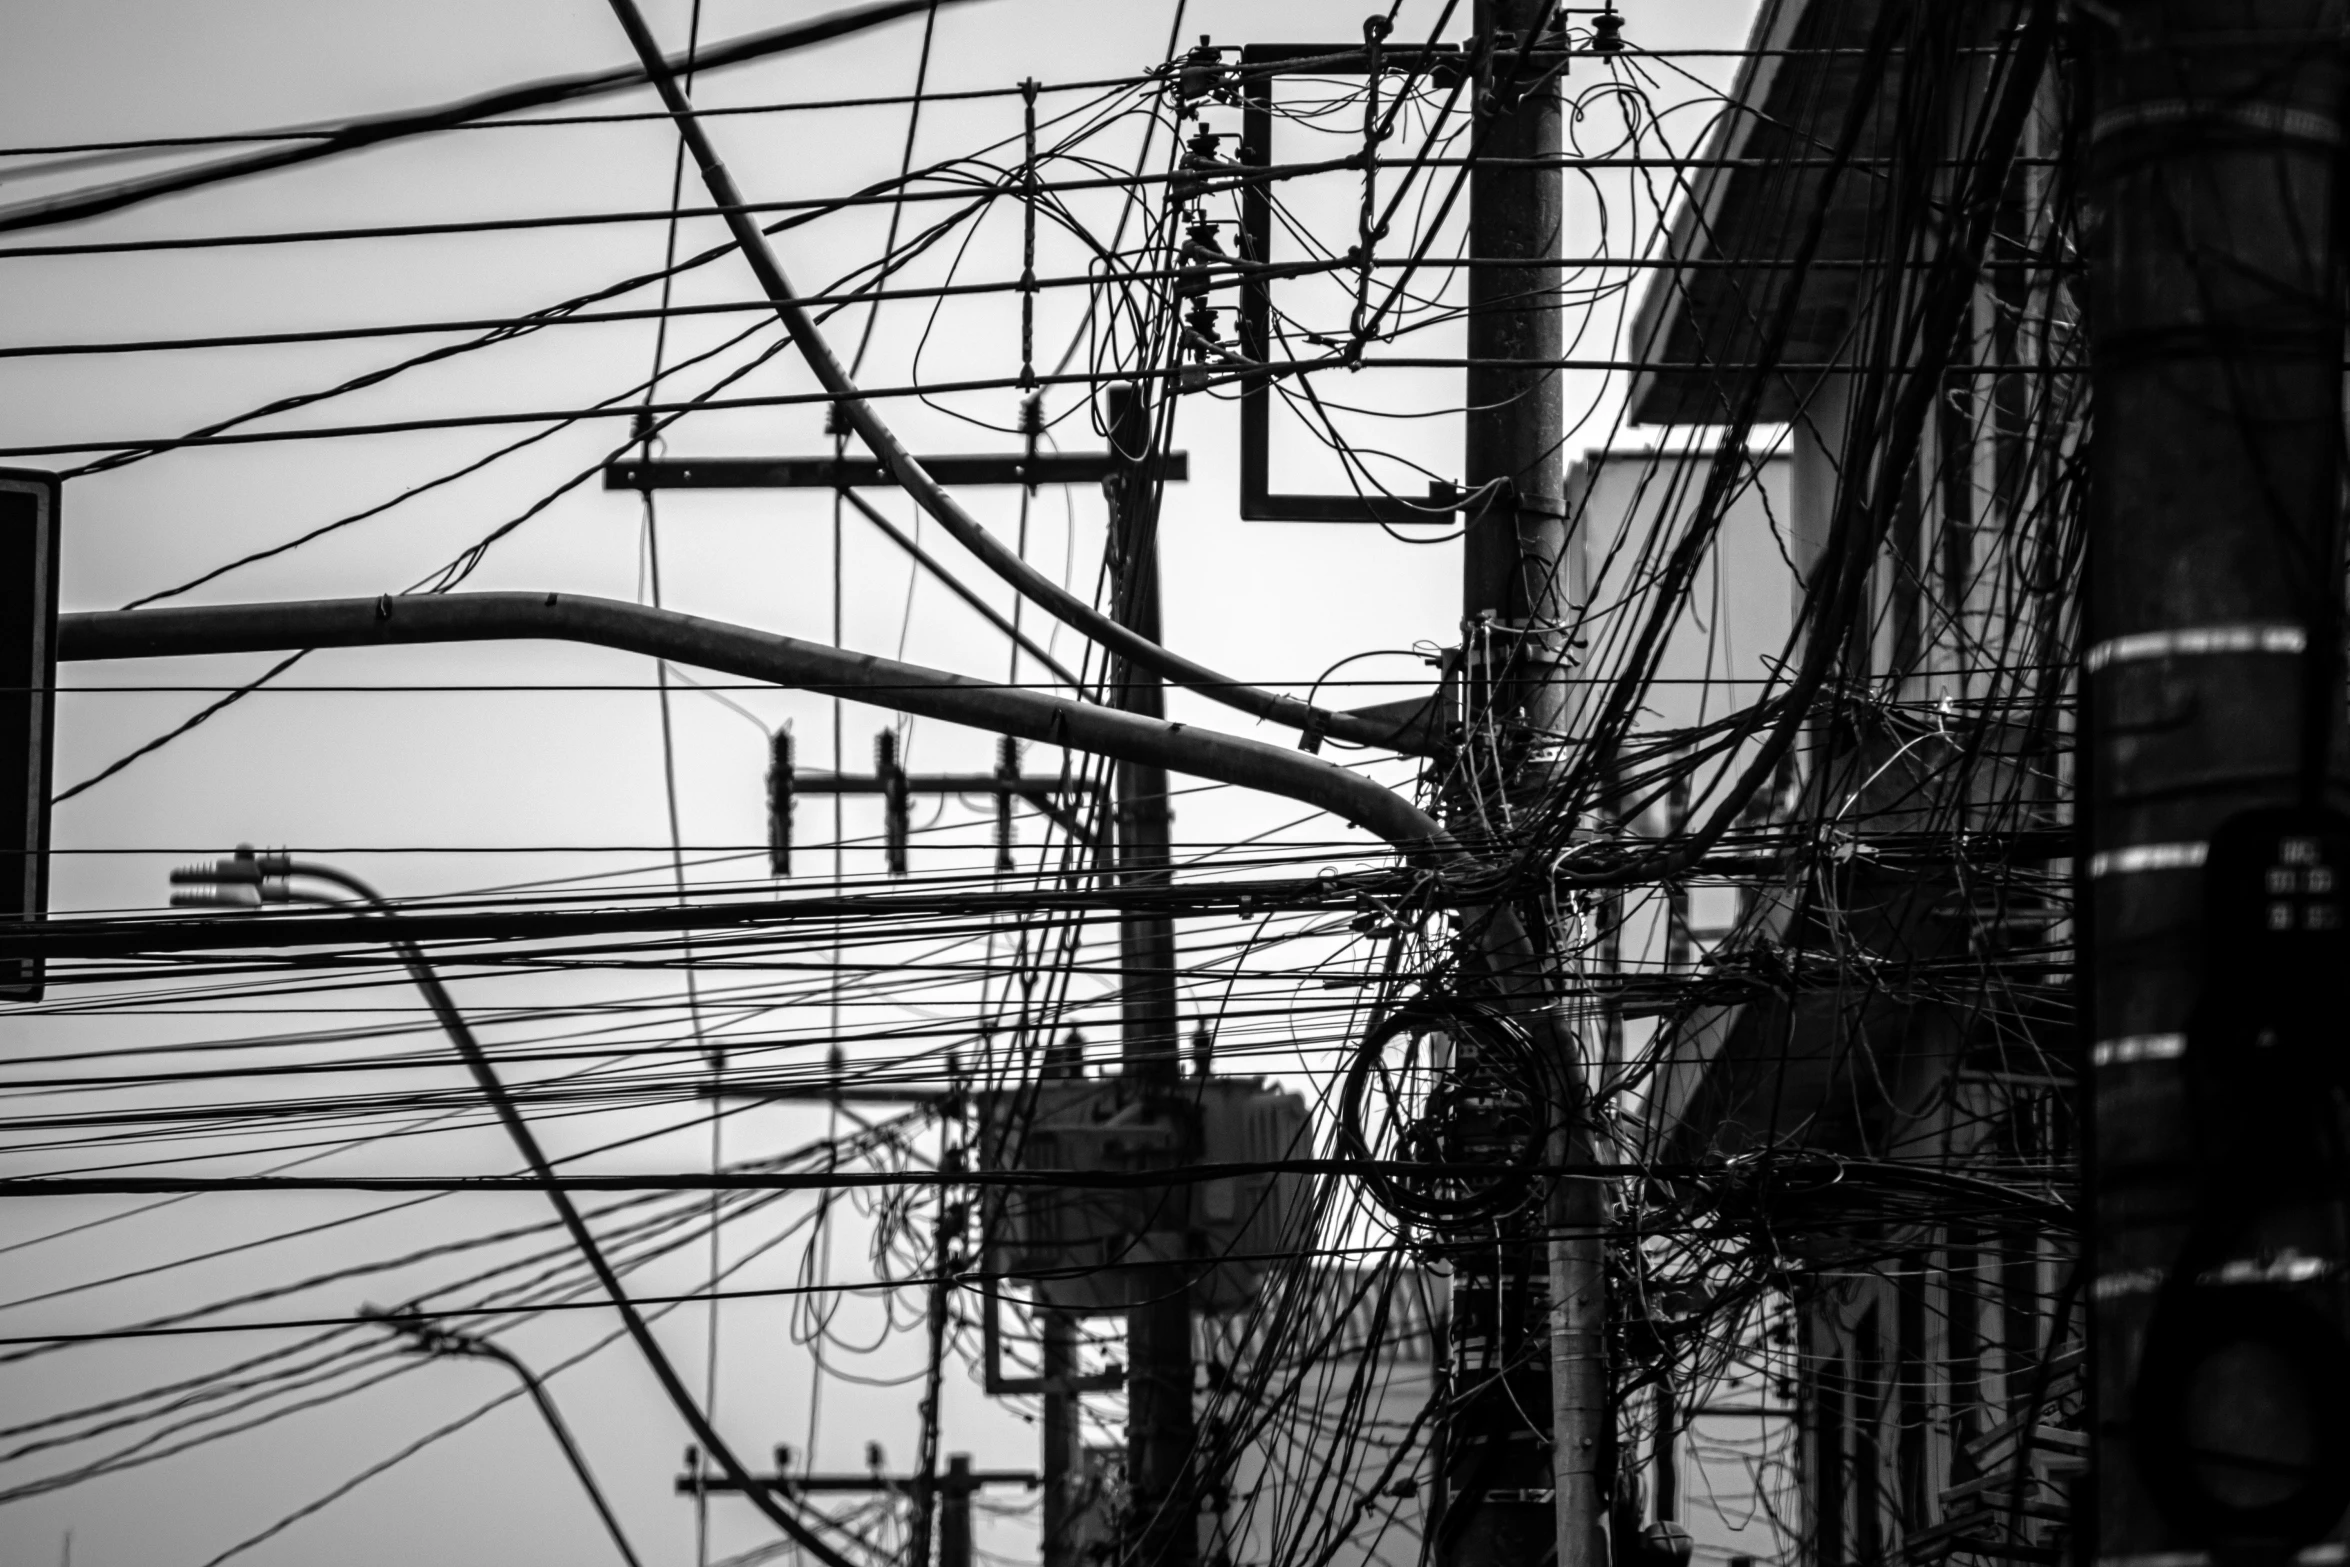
{"x": 897, "y": 787}
{"x": 1259, "y": 65}
{"x": 845, "y": 472}
{"x": 991, "y": 1334}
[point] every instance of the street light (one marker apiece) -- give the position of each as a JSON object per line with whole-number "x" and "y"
{"x": 249, "y": 879}
{"x": 425, "y": 1337}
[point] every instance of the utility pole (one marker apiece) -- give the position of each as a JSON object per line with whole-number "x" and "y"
{"x": 2212, "y": 689}
{"x": 1160, "y": 1431}
{"x": 954, "y": 1514}
{"x": 29, "y": 504}
{"x": 948, "y": 1495}
{"x": 947, "y": 1241}
{"x": 1526, "y": 1330}
{"x": 1061, "y": 1436}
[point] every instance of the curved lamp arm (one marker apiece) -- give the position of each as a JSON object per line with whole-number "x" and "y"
{"x": 759, "y": 655}
{"x": 429, "y": 1338}
{"x": 251, "y": 879}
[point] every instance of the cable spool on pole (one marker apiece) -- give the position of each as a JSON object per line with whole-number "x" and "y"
{"x": 1457, "y": 1087}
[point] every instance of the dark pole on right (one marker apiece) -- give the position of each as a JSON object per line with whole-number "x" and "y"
{"x": 2212, "y": 765}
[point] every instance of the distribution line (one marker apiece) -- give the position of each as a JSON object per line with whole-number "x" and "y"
{"x": 354, "y": 135}
{"x": 966, "y": 530}
{"x": 544, "y": 1177}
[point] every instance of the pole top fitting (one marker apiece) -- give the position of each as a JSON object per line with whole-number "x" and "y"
{"x": 245, "y": 880}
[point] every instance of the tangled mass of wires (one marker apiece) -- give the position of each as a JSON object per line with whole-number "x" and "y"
{"x": 1731, "y": 978}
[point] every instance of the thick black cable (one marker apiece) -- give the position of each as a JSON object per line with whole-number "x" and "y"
{"x": 926, "y": 491}
{"x": 477, "y": 1062}
{"x": 353, "y": 135}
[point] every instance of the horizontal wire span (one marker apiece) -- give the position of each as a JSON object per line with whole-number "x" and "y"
{"x": 999, "y": 384}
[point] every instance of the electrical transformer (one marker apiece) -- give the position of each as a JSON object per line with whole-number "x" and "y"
{"x": 1084, "y": 1248}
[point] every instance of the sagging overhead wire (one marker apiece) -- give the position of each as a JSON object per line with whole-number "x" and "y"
{"x": 351, "y": 136}
{"x": 926, "y": 492}
{"x": 261, "y": 876}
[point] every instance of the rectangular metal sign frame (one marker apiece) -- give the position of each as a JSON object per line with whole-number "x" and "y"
{"x": 29, "y": 505}
{"x": 1259, "y": 65}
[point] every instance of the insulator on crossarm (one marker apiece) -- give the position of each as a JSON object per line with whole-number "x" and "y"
{"x": 897, "y": 811}
{"x": 1031, "y": 432}
{"x": 1200, "y": 331}
{"x": 1007, "y": 771}
{"x": 1202, "y": 74}
{"x": 1203, "y": 260}
{"x": 779, "y": 803}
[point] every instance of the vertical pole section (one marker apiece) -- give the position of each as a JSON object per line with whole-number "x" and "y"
{"x": 1515, "y": 552}
{"x": 1159, "y": 1426}
{"x": 1518, "y": 1486}
{"x": 1063, "y": 1467}
{"x": 954, "y": 1512}
{"x": 1007, "y": 773}
{"x": 1060, "y": 1438}
{"x": 1666, "y": 1462}
{"x": 780, "y": 780}
{"x": 2211, "y": 687}
{"x": 28, "y": 705}
{"x": 1145, "y": 825}
{"x": 896, "y": 801}
{"x": 1029, "y": 190}
{"x": 947, "y": 1240}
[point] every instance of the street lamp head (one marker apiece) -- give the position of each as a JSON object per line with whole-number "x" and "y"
{"x": 230, "y": 897}
{"x": 245, "y": 880}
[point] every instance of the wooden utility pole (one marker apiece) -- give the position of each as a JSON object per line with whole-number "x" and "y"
{"x": 29, "y": 505}
{"x": 947, "y": 1495}
{"x": 1160, "y": 1429}
{"x": 954, "y": 1512}
{"x": 1063, "y": 1451}
{"x": 1525, "y": 1313}
{"x": 2212, "y": 688}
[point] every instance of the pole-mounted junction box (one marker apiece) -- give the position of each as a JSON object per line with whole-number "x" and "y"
{"x": 1084, "y": 1248}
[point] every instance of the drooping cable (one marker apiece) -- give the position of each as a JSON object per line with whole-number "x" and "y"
{"x": 917, "y": 482}
{"x": 485, "y": 1075}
